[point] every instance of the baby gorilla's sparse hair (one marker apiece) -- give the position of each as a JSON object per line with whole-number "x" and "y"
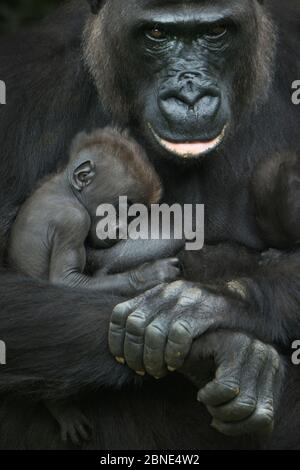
{"x": 121, "y": 159}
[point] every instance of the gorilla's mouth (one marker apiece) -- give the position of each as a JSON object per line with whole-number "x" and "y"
{"x": 190, "y": 149}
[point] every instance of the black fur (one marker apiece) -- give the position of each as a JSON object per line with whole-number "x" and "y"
{"x": 57, "y": 338}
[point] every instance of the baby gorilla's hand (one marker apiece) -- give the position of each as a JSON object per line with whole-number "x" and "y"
{"x": 154, "y": 273}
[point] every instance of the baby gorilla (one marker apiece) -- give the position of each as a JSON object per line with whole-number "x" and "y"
{"x": 49, "y": 235}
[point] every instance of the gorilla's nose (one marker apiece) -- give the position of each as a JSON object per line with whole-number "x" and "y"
{"x": 190, "y": 94}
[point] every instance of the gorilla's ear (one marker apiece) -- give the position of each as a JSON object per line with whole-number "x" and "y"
{"x": 96, "y": 5}
{"x": 83, "y": 175}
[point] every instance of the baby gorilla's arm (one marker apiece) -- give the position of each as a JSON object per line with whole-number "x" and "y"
{"x": 68, "y": 262}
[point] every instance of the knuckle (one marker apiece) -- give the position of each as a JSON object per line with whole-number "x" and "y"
{"x": 275, "y": 359}
{"x": 154, "y": 333}
{"x": 189, "y": 297}
{"x": 136, "y": 323}
{"x": 230, "y": 384}
{"x": 180, "y": 331}
{"x": 119, "y": 312}
{"x": 246, "y": 403}
{"x": 260, "y": 350}
{"x": 265, "y": 417}
{"x": 174, "y": 288}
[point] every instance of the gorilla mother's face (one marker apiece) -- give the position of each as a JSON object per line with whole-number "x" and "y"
{"x": 182, "y": 71}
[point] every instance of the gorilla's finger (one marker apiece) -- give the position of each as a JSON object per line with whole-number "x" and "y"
{"x": 117, "y": 326}
{"x": 179, "y": 343}
{"x": 215, "y": 393}
{"x": 244, "y": 404}
{"x": 134, "y": 337}
{"x": 185, "y": 329}
{"x": 261, "y": 422}
{"x": 155, "y": 343}
{"x": 138, "y": 332}
{"x": 226, "y": 385}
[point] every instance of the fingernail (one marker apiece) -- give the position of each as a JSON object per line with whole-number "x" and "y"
{"x": 140, "y": 372}
{"x": 171, "y": 369}
{"x": 120, "y": 360}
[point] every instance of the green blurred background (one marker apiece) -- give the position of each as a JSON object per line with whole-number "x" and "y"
{"x": 16, "y": 13}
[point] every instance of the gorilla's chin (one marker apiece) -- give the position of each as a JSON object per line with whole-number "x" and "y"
{"x": 190, "y": 149}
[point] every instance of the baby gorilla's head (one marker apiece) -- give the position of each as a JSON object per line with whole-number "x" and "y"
{"x": 107, "y": 164}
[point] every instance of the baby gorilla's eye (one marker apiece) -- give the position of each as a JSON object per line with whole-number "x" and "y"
{"x": 216, "y": 31}
{"x": 156, "y": 33}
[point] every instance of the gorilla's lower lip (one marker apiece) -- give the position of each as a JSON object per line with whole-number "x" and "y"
{"x": 190, "y": 149}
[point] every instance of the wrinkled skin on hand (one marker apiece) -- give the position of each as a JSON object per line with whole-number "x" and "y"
{"x": 167, "y": 329}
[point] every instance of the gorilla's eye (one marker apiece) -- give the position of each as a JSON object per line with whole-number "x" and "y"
{"x": 156, "y": 33}
{"x": 216, "y": 31}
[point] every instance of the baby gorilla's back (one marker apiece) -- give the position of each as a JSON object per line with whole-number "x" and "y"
{"x": 29, "y": 250}
{"x": 33, "y": 231}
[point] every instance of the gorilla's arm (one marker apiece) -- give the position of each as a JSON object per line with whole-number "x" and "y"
{"x": 156, "y": 332}
{"x": 265, "y": 305}
{"x": 56, "y": 340}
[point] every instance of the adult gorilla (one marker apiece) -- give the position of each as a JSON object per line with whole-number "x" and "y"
{"x": 205, "y": 87}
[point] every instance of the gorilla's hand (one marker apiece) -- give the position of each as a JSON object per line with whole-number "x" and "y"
{"x": 154, "y": 332}
{"x": 244, "y": 394}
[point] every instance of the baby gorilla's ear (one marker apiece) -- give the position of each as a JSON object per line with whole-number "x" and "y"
{"x": 83, "y": 175}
